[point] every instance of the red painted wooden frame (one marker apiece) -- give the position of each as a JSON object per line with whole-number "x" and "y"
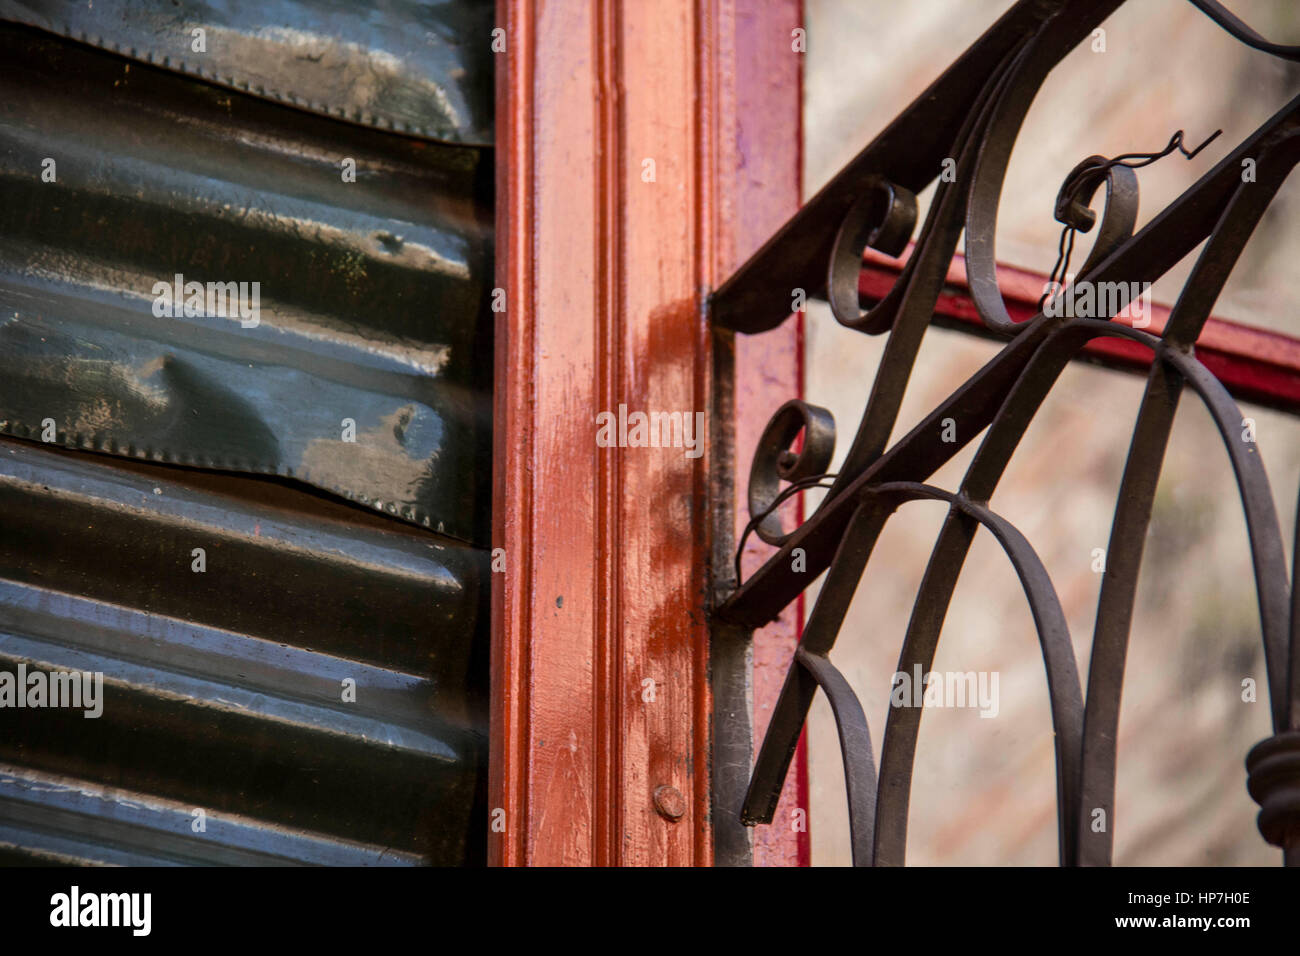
{"x": 607, "y": 550}
{"x": 607, "y": 568}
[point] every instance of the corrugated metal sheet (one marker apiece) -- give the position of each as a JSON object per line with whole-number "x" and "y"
{"x": 372, "y": 293}
{"x": 227, "y": 732}
{"x": 412, "y": 66}
{"x": 224, "y": 688}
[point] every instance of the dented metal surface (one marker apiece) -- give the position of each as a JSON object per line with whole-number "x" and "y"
{"x": 414, "y": 67}
{"x": 224, "y": 690}
{"x": 287, "y": 678}
{"x": 365, "y": 368}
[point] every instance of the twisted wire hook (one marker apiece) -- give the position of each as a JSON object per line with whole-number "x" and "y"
{"x": 1088, "y": 177}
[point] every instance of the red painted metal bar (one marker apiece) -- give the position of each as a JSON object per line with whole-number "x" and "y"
{"x": 1254, "y": 364}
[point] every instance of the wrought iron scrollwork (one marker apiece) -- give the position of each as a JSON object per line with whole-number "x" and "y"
{"x": 875, "y": 208}
{"x": 775, "y": 461}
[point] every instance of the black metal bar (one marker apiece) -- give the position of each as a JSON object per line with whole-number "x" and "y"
{"x": 855, "y": 747}
{"x": 909, "y": 152}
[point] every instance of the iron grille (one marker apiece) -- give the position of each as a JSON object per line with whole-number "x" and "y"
{"x": 967, "y": 123}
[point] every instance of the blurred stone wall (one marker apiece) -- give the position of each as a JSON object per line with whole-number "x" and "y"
{"x": 984, "y": 790}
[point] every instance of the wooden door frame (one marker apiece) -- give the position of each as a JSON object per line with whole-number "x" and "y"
{"x": 608, "y": 743}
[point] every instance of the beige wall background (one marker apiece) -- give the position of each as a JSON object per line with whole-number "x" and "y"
{"x": 983, "y": 791}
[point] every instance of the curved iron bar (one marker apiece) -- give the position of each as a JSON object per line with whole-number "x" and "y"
{"x": 949, "y": 554}
{"x": 823, "y": 628}
{"x": 907, "y": 316}
{"x": 921, "y": 285}
{"x": 860, "y": 228}
{"x": 1153, "y": 250}
{"x": 993, "y": 154}
{"x": 1075, "y": 197}
{"x": 1137, "y": 494}
{"x": 882, "y": 218}
{"x": 1166, "y": 239}
{"x": 1072, "y": 204}
{"x": 1083, "y": 180}
{"x": 818, "y": 638}
{"x": 775, "y": 461}
{"x": 1064, "y": 692}
{"x": 940, "y": 580}
{"x": 840, "y": 534}
{"x": 855, "y": 748}
{"x": 1229, "y": 22}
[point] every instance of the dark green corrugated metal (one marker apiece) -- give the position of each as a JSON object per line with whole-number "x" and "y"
{"x": 224, "y": 688}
